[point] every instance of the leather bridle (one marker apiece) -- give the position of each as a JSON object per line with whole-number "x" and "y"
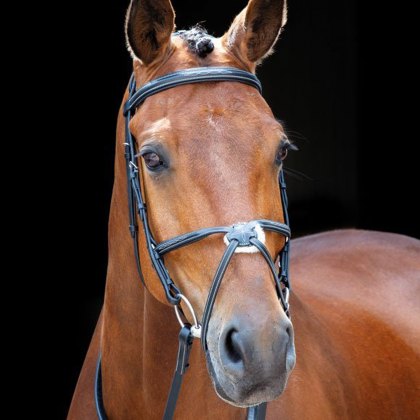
{"x": 239, "y": 235}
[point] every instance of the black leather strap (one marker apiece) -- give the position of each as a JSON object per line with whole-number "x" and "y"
{"x": 221, "y": 269}
{"x": 100, "y": 410}
{"x": 257, "y": 412}
{"x": 184, "y": 348}
{"x": 284, "y": 254}
{"x": 189, "y": 76}
{"x": 266, "y": 254}
{"x": 188, "y": 238}
{"x": 191, "y": 237}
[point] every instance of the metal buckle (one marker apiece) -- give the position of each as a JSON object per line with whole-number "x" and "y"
{"x": 285, "y": 301}
{"x": 286, "y": 294}
{"x": 133, "y": 165}
{"x": 196, "y": 328}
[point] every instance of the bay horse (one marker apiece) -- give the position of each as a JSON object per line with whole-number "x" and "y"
{"x": 209, "y": 154}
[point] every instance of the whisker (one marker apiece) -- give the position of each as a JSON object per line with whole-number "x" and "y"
{"x": 293, "y": 135}
{"x": 293, "y": 147}
{"x": 297, "y": 135}
{"x": 297, "y": 174}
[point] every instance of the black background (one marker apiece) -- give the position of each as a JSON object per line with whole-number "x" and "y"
{"x": 339, "y": 79}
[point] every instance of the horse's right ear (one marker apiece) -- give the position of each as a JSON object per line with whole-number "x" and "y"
{"x": 148, "y": 28}
{"x": 255, "y": 30}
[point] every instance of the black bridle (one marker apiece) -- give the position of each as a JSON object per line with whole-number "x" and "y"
{"x": 239, "y": 235}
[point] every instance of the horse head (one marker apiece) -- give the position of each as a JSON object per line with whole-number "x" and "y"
{"x": 210, "y": 154}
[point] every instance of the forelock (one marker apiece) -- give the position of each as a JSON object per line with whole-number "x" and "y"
{"x": 198, "y": 40}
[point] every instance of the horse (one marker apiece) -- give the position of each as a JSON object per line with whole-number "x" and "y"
{"x": 210, "y": 154}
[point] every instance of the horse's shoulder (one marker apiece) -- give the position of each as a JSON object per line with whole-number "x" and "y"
{"x": 355, "y": 305}
{"x": 367, "y": 257}
{"x": 362, "y": 277}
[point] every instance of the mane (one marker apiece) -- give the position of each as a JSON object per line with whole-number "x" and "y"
{"x": 198, "y": 40}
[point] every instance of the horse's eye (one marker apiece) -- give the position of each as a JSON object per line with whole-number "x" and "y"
{"x": 153, "y": 161}
{"x": 282, "y": 153}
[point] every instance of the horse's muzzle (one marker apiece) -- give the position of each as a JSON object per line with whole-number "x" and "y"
{"x": 251, "y": 362}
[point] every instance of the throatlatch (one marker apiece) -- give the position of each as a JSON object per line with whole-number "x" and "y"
{"x": 236, "y": 236}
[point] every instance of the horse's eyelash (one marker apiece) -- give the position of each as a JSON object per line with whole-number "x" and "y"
{"x": 291, "y": 146}
{"x": 288, "y": 145}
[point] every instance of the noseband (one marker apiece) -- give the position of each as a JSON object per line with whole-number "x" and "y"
{"x": 236, "y": 236}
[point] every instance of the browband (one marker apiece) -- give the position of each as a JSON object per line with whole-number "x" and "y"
{"x": 188, "y": 76}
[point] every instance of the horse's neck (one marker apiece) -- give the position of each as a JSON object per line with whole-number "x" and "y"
{"x": 139, "y": 334}
{"x": 138, "y": 352}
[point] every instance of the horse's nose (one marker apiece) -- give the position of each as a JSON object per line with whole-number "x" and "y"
{"x": 247, "y": 349}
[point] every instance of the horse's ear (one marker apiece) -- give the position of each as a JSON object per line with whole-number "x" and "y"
{"x": 148, "y": 28}
{"x": 255, "y": 30}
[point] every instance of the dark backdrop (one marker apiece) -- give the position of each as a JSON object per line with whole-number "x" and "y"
{"x": 336, "y": 80}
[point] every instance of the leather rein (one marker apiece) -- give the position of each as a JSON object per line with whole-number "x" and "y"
{"x": 239, "y": 235}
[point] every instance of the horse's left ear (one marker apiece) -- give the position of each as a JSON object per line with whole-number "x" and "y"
{"x": 255, "y": 30}
{"x": 148, "y": 28}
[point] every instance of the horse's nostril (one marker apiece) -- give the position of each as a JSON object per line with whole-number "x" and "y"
{"x": 288, "y": 332}
{"x": 233, "y": 350}
{"x": 261, "y": 352}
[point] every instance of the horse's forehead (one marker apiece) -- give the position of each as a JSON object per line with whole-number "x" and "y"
{"x": 218, "y": 113}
